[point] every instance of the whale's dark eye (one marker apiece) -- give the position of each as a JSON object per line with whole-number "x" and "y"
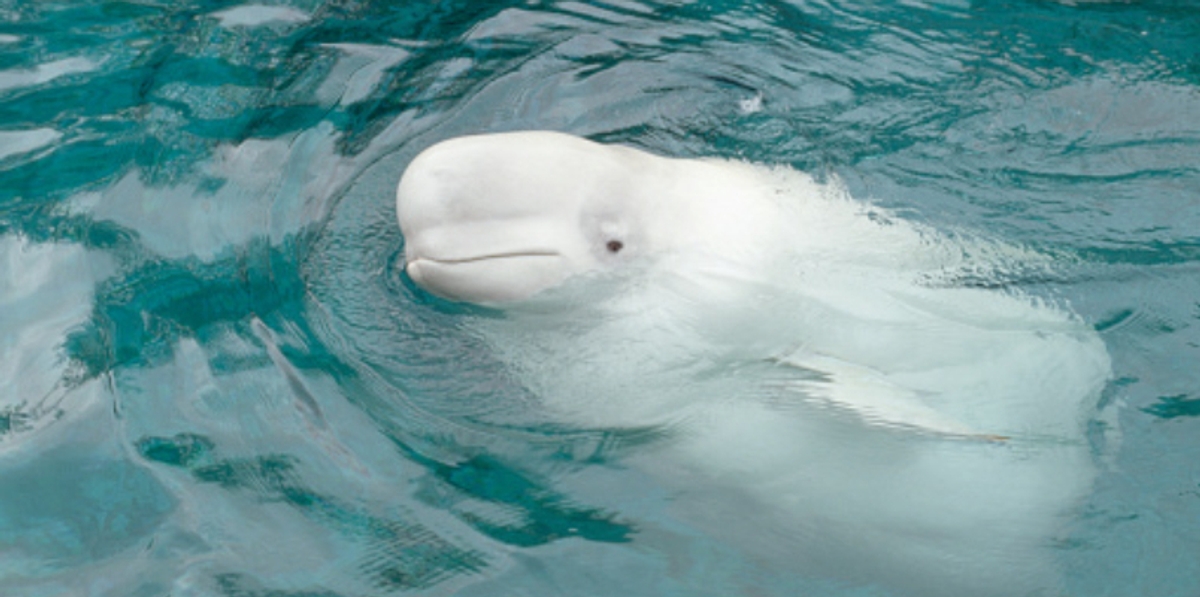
{"x": 615, "y": 246}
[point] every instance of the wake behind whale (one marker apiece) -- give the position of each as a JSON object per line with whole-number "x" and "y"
{"x": 827, "y": 394}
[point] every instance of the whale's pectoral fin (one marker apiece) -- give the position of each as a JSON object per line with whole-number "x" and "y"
{"x": 873, "y": 398}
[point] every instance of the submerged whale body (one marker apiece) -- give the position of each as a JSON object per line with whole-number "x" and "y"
{"x": 809, "y": 358}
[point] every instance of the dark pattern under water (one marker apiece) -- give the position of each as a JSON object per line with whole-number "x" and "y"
{"x": 215, "y": 382}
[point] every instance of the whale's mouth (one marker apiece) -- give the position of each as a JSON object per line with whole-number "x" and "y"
{"x": 490, "y": 277}
{"x": 485, "y": 257}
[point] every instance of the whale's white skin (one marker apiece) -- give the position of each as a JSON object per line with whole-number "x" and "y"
{"x": 828, "y": 394}
{"x": 561, "y": 201}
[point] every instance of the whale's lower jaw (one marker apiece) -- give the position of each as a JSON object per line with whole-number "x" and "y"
{"x": 517, "y": 276}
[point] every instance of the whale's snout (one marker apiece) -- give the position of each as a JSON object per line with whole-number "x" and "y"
{"x": 489, "y": 279}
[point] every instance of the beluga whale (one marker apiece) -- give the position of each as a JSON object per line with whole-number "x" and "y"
{"x": 833, "y": 387}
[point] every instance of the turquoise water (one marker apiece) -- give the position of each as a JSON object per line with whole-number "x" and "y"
{"x": 215, "y": 381}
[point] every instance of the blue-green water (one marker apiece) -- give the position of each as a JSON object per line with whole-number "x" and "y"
{"x": 214, "y": 381}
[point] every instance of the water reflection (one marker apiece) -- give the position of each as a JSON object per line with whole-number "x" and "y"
{"x": 197, "y": 244}
{"x": 44, "y": 73}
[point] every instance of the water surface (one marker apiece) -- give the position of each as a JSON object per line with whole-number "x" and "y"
{"x": 215, "y": 382}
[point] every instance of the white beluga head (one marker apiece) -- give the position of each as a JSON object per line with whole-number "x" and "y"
{"x": 732, "y": 258}
{"x": 501, "y": 217}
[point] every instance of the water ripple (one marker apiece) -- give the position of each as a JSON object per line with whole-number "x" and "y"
{"x": 198, "y": 270}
